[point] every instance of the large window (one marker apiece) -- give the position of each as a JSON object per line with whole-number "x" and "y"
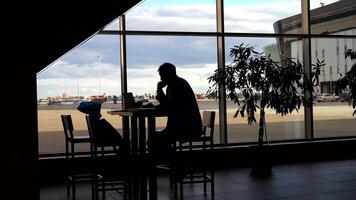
{"x": 278, "y": 127}
{"x": 194, "y": 58}
{"x": 332, "y": 112}
{"x": 89, "y": 70}
{"x": 186, "y": 33}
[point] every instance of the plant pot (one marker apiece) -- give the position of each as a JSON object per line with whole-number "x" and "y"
{"x": 260, "y": 160}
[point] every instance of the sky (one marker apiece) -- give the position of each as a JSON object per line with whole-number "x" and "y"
{"x": 80, "y": 72}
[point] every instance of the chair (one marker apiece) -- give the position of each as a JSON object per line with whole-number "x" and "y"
{"x": 71, "y": 140}
{"x": 205, "y": 142}
{"x": 105, "y": 179}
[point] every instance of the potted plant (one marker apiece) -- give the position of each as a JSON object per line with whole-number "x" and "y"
{"x": 348, "y": 82}
{"x": 263, "y": 83}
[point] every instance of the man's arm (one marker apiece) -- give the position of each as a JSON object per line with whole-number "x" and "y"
{"x": 161, "y": 97}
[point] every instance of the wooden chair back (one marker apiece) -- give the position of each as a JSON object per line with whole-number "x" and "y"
{"x": 208, "y": 124}
{"x": 67, "y": 126}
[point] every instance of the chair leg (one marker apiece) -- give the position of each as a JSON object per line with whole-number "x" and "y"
{"x": 171, "y": 179}
{"x": 103, "y": 194}
{"x": 68, "y": 187}
{"x": 130, "y": 190}
{"x": 212, "y": 191}
{"x": 73, "y": 181}
{"x": 93, "y": 188}
{"x": 72, "y": 150}
{"x": 73, "y": 188}
{"x": 67, "y": 149}
{"x": 171, "y": 184}
{"x": 180, "y": 190}
{"x": 204, "y": 181}
{"x": 125, "y": 191}
{"x": 91, "y": 150}
{"x": 96, "y": 187}
{"x": 175, "y": 189}
{"x": 67, "y": 171}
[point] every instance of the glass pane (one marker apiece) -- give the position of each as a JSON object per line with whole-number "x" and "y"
{"x": 113, "y": 26}
{"x": 262, "y": 16}
{"x": 194, "y": 58}
{"x": 91, "y": 69}
{"x": 176, "y": 15}
{"x": 332, "y": 16}
{"x": 278, "y": 127}
{"x": 332, "y": 113}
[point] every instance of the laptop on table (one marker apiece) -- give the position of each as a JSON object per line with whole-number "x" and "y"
{"x": 129, "y": 102}
{"x": 131, "y": 105}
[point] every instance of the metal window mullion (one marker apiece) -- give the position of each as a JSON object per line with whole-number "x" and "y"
{"x": 308, "y": 109}
{"x": 221, "y": 64}
{"x": 214, "y": 34}
{"x": 123, "y": 58}
{"x": 123, "y": 68}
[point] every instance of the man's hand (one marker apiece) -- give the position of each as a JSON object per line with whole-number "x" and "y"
{"x": 160, "y": 94}
{"x": 161, "y": 85}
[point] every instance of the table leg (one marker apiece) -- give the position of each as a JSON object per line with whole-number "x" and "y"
{"x": 142, "y": 135}
{"x": 134, "y": 136}
{"x": 135, "y": 180}
{"x": 125, "y": 128}
{"x": 143, "y": 183}
{"x": 152, "y": 176}
{"x": 151, "y": 126}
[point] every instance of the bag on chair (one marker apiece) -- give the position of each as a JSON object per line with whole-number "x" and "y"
{"x": 90, "y": 108}
{"x": 106, "y": 134}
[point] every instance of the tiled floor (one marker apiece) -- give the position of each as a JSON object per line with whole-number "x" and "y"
{"x": 333, "y": 180}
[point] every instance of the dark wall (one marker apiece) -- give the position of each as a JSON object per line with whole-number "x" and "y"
{"x": 35, "y": 34}
{"x": 19, "y": 131}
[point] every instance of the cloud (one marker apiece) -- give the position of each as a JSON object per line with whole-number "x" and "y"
{"x": 252, "y": 17}
{"x": 199, "y": 17}
{"x": 65, "y": 70}
{"x": 195, "y": 58}
{"x": 73, "y": 87}
{"x": 258, "y": 17}
{"x": 63, "y": 77}
{"x": 152, "y": 50}
{"x": 106, "y": 46}
{"x": 145, "y": 80}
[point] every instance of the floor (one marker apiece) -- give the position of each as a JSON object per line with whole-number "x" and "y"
{"x": 332, "y": 180}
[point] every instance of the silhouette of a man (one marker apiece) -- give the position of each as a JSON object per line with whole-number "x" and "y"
{"x": 179, "y": 102}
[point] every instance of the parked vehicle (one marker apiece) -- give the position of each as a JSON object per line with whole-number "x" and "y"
{"x": 42, "y": 102}
{"x": 141, "y": 99}
{"x": 327, "y": 98}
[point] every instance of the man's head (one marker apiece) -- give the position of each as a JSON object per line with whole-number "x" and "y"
{"x": 167, "y": 72}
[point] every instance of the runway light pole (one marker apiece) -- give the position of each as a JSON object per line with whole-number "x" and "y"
{"x": 99, "y": 60}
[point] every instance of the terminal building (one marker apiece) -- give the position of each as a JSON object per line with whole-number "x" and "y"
{"x": 338, "y": 18}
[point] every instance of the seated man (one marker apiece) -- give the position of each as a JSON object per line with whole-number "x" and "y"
{"x": 179, "y": 102}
